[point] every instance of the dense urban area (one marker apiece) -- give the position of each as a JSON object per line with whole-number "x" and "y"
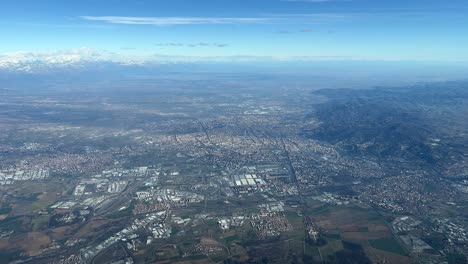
{"x": 215, "y": 170}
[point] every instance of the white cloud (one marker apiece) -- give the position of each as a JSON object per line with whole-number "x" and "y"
{"x": 81, "y": 58}
{"x": 88, "y": 58}
{"x": 312, "y": 1}
{"x": 168, "y": 21}
{"x": 163, "y": 58}
{"x": 56, "y": 56}
{"x": 192, "y": 45}
{"x": 31, "y": 60}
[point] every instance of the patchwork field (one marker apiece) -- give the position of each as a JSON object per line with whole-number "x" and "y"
{"x": 355, "y": 225}
{"x": 32, "y": 243}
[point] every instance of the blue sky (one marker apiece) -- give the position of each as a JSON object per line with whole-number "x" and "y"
{"x": 415, "y": 30}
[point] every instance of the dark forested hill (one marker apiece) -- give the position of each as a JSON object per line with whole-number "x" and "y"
{"x": 423, "y": 125}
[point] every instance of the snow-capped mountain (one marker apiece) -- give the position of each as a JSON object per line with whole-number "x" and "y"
{"x": 62, "y": 60}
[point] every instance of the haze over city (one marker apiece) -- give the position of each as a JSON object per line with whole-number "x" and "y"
{"x": 233, "y": 131}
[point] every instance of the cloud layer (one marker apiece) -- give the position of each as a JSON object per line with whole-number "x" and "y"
{"x": 28, "y": 61}
{"x": 192, "y": 45}
{"x": 168, "y": 21}
{"x": 81, "y": 58}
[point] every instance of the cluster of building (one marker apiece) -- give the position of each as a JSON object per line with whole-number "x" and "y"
{"x": 226, "y": 223}
{"x": 99, "y": 185}
{"x": 72, "y": 259}
{"x": 331, "y": 198}
{"x": 272, "y": 178}
{"x": 10, "y": 176}
{"x": 270, "y": 171}
{"x": 270, "y": 225}
{"x": 64, "y": 205}
{"x": 415, "y": 244}
{"x": 162, "y": 199}
{"x": 273, "y": 207}
{"x": 398, "y": 194}
{"x": 271, "y": 220}
{"x": 454, "y": 232}
{"x": 91, "y": 201}
{"x": 245, "y": 183}
{"x": 313, "y": 231}
{"x": 154, "y": 222}
{"x": 137, "y": 172}
{"x": 405, "y": 224}
{"x": 71, "y": 217}
{"x": 462, "y": 187}
{"x": 169, "y": 195}
{"x": 209, "y": 247}
{"x": 116, "y": 186}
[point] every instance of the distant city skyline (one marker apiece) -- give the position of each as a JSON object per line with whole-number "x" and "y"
{"x": 234, "y": 30}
